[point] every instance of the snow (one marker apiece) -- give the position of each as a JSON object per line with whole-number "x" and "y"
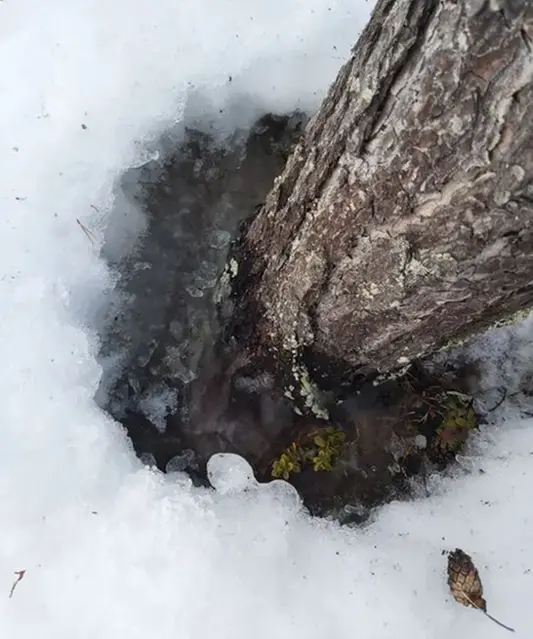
{"x": 112, "y": 548}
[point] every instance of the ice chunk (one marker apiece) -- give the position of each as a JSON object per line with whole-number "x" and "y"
{"x": 229, "y": 473}
{"x": 283, "y": 492}
{"x": 157, "y": 404}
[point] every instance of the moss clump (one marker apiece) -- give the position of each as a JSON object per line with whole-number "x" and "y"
{"x": 328, "y": 447}
{"x": 289, "y": 462}
{"x": 317, "y": 450}
{"x": 458, "y": 421}
{"x": 443, "y": 416}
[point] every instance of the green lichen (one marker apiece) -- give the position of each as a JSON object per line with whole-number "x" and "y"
{"x": 453, "y": 343}
{"x": 304, "y": 388}
{"x": 514, "y": 318}
{"x": 309, "y": 392}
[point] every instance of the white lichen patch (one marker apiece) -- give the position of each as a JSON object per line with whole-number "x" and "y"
{"x": 416, "y": 269}
{"x": 290, "y": 343}
{"x": 309, "y": 392}
{"x": 398, "y": 374}
{"x": 223, "y": 287}
{"x": 233, "y": 267}
{"x": 370, "y": 292}
{"x": 305, "y": 387}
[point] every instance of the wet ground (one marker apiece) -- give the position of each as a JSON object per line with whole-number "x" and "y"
{"x": 163, "y": 327}
{"x": 178, "y": 396}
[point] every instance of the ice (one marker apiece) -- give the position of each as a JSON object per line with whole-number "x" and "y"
{"x": 114, "y": 549}
{"x": 230, "y": 473}
{"x": 157, "y": 404}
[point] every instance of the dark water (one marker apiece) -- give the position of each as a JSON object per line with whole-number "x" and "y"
{"x": 161, "y": 329}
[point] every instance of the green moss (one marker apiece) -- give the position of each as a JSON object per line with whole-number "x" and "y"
{"x": 289, "y": 462}
{"x": 329, "y": 446}
{"x": 458, "y": 421}
{"x": 317, "y": 450}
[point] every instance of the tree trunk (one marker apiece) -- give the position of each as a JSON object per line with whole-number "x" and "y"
{"x": 401, "y": 224}
{"x": 403, "y": 219}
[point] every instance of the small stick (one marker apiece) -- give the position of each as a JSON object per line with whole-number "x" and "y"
{"x": 20, "y": 574}
{"x": 500, "y": 402}
{"x": 486, "y": 613}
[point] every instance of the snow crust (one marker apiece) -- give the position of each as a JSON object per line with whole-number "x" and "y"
{"x": 112, "y": 548}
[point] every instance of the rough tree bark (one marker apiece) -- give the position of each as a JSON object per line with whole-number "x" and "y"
{"x": 403, "y": 219}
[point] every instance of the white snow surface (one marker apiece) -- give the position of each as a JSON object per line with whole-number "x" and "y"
{"x": 110, "y": 547}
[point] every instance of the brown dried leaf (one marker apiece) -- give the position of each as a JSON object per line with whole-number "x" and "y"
{"x": 463, "y": 579}
{"x": 465, "y": 584}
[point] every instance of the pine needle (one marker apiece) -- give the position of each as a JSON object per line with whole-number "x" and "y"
{"x": 88, "y": 233}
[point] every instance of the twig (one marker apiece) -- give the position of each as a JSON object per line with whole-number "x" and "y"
{"x": 20, "y": 574}
{"x": 425, "y": 473}
{"x": 487, "y": 614}
{"x": 499, "y": 402}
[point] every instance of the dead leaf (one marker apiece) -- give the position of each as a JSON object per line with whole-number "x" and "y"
{"x": 20, "y": 574}
{"x": 465, "y": 583}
